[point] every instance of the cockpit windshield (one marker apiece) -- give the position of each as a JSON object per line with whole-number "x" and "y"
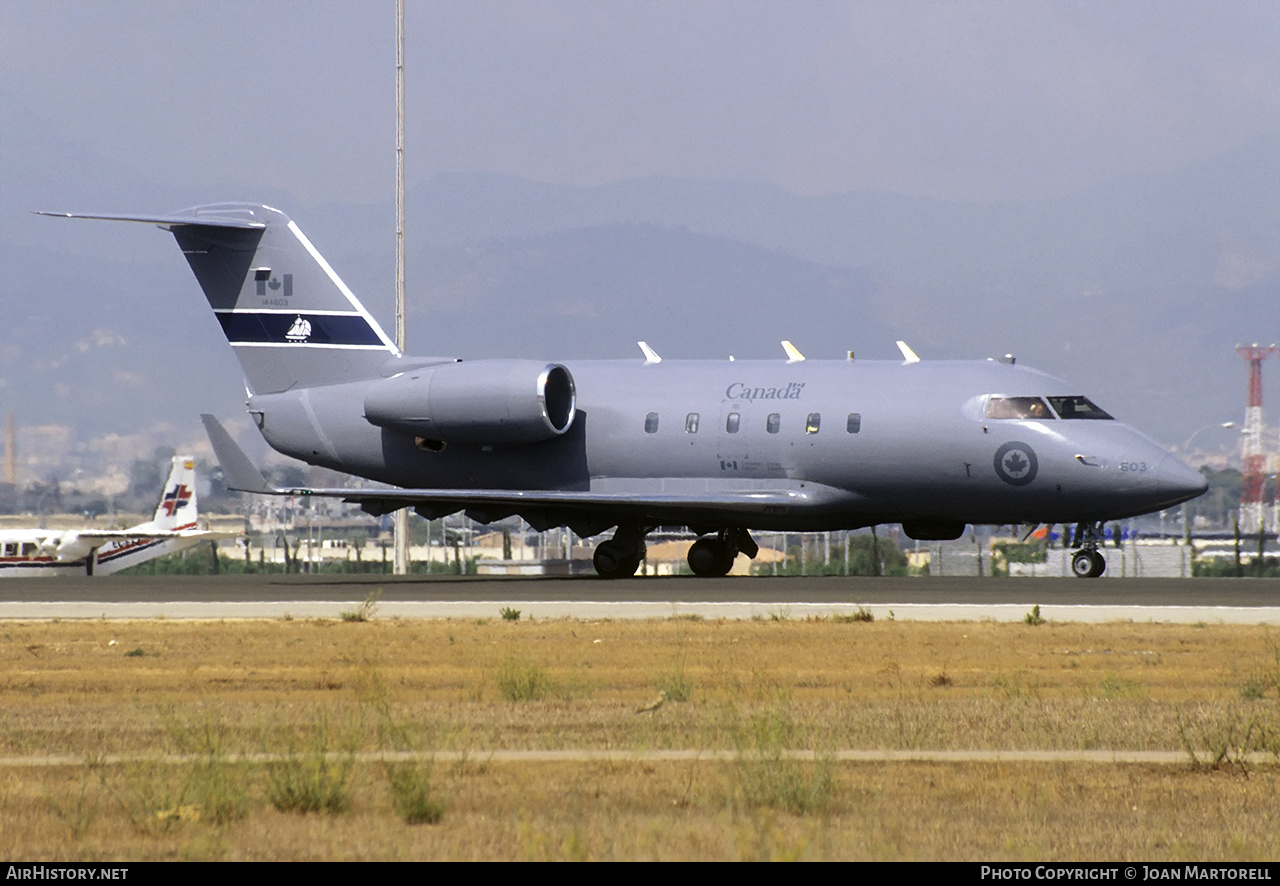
{"x": 1018, "y": 407}
{"x": 1077, "y": 407}
{"x": 1034, "y": 408}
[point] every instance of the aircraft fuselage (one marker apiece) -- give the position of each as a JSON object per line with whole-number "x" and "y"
{"x": 878, "y": 442}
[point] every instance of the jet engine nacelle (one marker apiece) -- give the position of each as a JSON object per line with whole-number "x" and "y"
{"x": 486, "y": 401}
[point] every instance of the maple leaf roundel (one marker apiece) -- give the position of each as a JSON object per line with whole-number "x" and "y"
{"x": 1016, "y": 463}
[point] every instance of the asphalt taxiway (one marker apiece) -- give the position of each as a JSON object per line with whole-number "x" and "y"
{"x": 1248, "y": 601}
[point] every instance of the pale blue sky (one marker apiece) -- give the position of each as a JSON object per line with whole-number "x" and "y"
{"x": 959, "y": 100}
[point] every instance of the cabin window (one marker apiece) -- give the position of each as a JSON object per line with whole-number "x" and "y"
{"x": 11, "y": 549}
{"x": 691, "y": 423}
{"x": 813, "y": 423}
{"x": 854, "y": 424}
{"x": 651, "y": 423}
{"x": 1018, "y": 407}
{"x": 773, "y": 423}
{"x": 28, "y": 549}
{"x": 1077, "y": 408}
{"x": 731, "y": 423}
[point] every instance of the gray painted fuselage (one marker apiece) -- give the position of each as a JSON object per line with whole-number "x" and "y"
{"x": 923, "y": 448}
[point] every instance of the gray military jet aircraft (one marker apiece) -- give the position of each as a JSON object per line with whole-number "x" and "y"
{"x": 721, "y": 447}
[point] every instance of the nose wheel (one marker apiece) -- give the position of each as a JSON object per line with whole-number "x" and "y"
{"x": 1088, "y": 562}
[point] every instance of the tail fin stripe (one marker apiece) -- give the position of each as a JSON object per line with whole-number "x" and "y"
{"x": 298, "y": 328}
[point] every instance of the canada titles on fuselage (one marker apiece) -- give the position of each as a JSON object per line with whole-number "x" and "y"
{"x": 742, "y": 391}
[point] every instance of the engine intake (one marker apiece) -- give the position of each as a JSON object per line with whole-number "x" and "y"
{"x": 486, "y": 401}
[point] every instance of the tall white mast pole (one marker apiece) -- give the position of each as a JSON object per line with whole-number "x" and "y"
{"x": 402, "y": 515}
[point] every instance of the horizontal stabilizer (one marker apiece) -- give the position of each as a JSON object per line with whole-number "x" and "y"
{"x": 208, "y": 221}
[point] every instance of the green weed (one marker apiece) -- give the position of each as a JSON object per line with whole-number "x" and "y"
{"x": 315, "y": 777}
{"x": 412, "y": 793}
{"x": 770, "y": 774}
{"x": 521, "y": 681}
{"x": 366, "y": 610}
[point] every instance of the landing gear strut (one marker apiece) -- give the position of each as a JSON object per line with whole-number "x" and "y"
{"x": 1088, "y": 562}
{"x": 620, "y": 556}
{"x": 714, "y": 556}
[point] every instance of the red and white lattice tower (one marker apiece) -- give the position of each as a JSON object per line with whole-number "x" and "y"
{"x": 1253, "y": 456}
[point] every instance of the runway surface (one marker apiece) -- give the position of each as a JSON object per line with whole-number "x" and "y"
{"x": 1247, "y": 601}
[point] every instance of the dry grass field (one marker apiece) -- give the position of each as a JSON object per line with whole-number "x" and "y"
{"x": 319, "y": 705}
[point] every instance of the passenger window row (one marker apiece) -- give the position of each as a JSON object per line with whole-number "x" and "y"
{"x": 772, "y": 424}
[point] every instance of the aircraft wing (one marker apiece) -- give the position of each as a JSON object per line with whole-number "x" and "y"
{"x": 105, "y": 536}
{"x": 385, "y": 500}
{"x": 242, "y": 476}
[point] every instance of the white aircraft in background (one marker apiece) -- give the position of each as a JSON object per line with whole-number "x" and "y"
{"x": 104, "y": 551}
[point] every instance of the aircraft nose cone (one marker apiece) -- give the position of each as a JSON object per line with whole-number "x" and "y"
{"x": 1180, "y": 482}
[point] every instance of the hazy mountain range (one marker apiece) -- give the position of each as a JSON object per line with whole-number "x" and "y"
{"x": 1137, "y": 291}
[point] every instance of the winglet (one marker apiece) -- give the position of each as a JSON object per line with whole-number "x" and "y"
{"x": 241, "y": 475}
{"x": 650, "y": 355}
{"x": 908, "y": 355}
{"x": 793, "y": 354}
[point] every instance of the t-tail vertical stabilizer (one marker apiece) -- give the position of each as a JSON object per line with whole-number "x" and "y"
{"x": 290, "y": 319}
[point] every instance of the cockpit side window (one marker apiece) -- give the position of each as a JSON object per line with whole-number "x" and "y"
{"x": 1077, "y": 408}
{"x": 1018, "y": 407}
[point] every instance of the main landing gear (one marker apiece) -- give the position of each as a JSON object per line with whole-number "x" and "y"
{"x": 620, "y": 556}
{"x": 1088, "y": 562}
{"x": 714, "y": 555}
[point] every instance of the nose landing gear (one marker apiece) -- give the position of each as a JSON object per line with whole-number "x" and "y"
{"x": 1088, "y": 562}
